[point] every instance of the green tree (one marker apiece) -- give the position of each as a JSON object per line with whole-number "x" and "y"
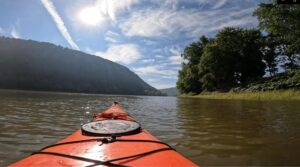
{"x": 189, "y": 79}
{"x": 233, "y": 58}
{"x": 282, "y": 22}
{"x": 215, "y": 69}
{"x": 193, "y": 52}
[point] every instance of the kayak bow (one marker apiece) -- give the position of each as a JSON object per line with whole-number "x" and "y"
{"x": 113, "y": 138}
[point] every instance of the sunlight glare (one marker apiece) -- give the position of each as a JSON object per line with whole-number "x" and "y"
{"x": 90, "y": 16}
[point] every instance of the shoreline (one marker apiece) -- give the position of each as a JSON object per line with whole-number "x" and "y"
{"x": 266, "y": 95}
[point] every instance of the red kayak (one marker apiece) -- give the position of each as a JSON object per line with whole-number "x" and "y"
{"x": 113, "y": 138}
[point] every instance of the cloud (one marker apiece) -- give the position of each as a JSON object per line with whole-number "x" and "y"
{"x": 1, "y": 31}
{"x": 149, "y": 42}
{"x": 125, "y": 53}
{"x": 151, "y": 79}
{"x": 59, "y": 23}
{"x": 14, "y": 33}
{"x": 177, "y": 59}
{"x": 191, "y": 22}
{"x": 147, "y": 70}
{"x": 163, "y": 85}
{"x": 176, "y": 56}
{"x": 159, "y": 56}
{"x": 219, "y": 4}
{"x": 158, "y": 83}
{"x": 145, "y": 61}
{"x": 112, "y": 37}
{"x": 112, "y": 8}
{"x": 147, "y": 23}
{"x": 100, "y": 12}
{"x": 158, "y": 70}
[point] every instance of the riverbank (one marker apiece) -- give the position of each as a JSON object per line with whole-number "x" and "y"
{"x": 267, "y": 95}
{"x": 283, "y": 86}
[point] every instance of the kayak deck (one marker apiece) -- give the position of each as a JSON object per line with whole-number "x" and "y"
{"x": 98, "y": 150}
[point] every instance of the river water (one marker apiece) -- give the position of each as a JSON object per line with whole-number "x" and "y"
{"x": 208, "y": 132}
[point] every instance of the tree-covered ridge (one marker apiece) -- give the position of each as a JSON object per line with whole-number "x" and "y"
{"x": 31, "y": 65}
{"x": 237, "y": 57}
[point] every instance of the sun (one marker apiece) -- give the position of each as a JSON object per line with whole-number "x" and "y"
{"x": 90, "y": 16}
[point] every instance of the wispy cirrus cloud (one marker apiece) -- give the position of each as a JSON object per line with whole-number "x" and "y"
{"x": 202, "y": 4}
{"x": 112, "y": 37}
{"x": 162, "y": 25}
{"x": 59, "y": 23}
{"x": 124, "y": 53}
{"x": 161, "y": 22}
{"x": 146, "y": 61}
{"x": 219, "y": 4}
{"x": 111, "y": 8}
{"x": 14, "y": 33}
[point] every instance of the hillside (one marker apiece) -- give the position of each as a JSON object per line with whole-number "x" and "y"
{"x": 31, "y": 65}
{"x": 170, "y": 91}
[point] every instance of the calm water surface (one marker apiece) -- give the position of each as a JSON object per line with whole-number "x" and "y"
{"x": 209, "y": 132}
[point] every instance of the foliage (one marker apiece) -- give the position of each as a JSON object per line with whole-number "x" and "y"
{"x": 282, "y": 22}
{"x": 188, "y": 80}
{"x": 282, "y": 81}
{"x": 240, "y": 57}
{"x": 215, "y": 69}
{"x": 233, "y": 58}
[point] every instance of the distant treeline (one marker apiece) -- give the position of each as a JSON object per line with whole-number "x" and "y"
{"x": 31, "y": 65}
{"x": 236, "y": 57}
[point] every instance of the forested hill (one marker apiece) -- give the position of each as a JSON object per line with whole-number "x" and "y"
{"x": 31, "y": 65}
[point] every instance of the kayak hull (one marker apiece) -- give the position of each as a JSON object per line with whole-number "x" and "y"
{"x": 97, "y": 150}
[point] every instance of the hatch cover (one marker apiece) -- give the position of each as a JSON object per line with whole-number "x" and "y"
{"x": 111, "y": 127}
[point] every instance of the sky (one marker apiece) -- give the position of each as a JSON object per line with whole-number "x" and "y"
{"x": 147, "y": 36}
